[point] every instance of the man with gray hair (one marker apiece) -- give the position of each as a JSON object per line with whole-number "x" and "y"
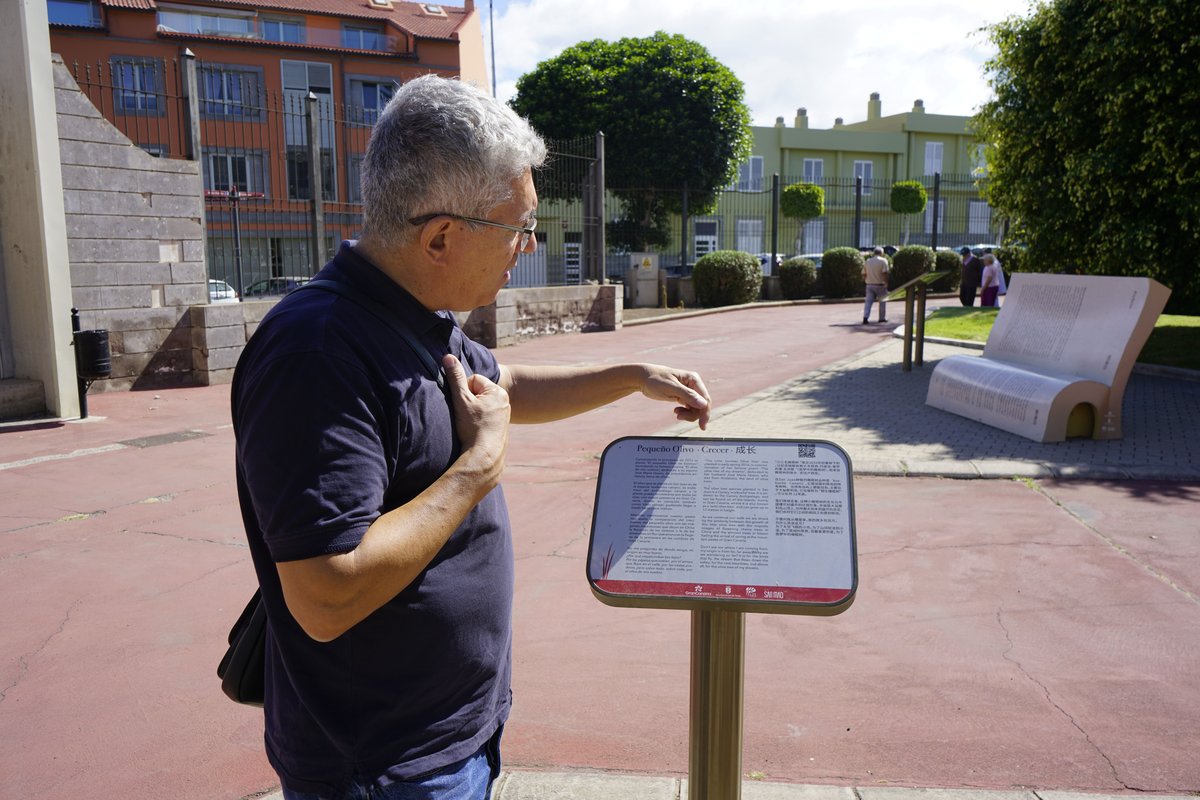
{"x": 875, "y": 275}
{"x": 371, "y": 494}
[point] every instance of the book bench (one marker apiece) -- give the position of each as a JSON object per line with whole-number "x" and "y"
{"x": 1058, "y": 357}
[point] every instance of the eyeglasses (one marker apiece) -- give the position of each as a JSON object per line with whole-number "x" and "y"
{"x": 526, "y": 232}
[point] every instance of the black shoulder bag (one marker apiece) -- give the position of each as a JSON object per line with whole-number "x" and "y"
{"x": 243, "y": 666}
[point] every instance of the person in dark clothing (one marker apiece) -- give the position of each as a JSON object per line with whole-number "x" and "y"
{"x": 972, "y": 274}
{"x": 369, "y": 483}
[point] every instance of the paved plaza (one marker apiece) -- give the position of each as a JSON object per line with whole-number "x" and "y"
{"x": 1030, "y": 632}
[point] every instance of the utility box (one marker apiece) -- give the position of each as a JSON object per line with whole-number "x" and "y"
{"x": 641, "y": 280}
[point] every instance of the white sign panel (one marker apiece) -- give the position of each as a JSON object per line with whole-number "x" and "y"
{"x": 762, "y": 525}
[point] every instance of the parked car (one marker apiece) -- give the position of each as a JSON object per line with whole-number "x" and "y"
{"x": 813, "y": 257}
{"x": 221, "y": 292}
{"x": 764, "y": 258}
{"x": 980, "y": 249}
{"x": 275, "y": 286}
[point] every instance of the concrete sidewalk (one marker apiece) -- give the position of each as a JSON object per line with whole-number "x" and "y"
{"x": 1007, "y": 634}
{"x": 877, "y": 413}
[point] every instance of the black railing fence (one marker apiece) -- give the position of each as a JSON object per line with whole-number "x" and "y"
{"x": 857, "y": 214}
{"x": 281, "y": 174}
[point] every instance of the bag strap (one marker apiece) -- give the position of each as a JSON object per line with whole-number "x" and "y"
{"x": 385, "y": 315}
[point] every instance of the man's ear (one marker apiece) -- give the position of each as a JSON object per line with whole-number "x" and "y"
{"x": 437, "y": 238}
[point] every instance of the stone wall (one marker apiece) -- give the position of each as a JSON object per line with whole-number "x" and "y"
{"x": 520, "y": 314}
{"x": 135, "y": 231}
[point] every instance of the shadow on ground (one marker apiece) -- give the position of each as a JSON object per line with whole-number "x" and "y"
{"x": 871, "y": 402}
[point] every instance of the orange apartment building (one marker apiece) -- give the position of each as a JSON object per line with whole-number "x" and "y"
{"x": 256, "y": 63}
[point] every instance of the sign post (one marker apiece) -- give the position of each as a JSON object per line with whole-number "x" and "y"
{"x": 914, "y": 290}
{"x": 715, "y": 714}
{"x": 721, "y": 528}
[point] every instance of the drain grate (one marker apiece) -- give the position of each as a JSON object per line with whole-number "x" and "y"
{"x": 164, "y": 438}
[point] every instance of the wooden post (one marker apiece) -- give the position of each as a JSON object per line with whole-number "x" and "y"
{"x": 920, "y": 322}
{"x": 908, "y": 328}
{"x": 715, "y": 725}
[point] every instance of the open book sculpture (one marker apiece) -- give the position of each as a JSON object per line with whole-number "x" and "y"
{"x": 1057, "y": 359}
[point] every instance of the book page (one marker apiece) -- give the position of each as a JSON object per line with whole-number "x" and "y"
{"x": 749, "y": 520}
{"x": 998, "y": 394}
{"x": 1077, "y": 325}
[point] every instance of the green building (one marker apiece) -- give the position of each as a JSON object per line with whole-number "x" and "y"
{"x": 935, "y": 149}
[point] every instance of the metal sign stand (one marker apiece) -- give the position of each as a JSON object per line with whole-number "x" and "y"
{"x": 811, "y": 568}
{"x": 715, "y": 718}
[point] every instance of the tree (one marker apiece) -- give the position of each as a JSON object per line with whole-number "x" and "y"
{"x": 670, "y": 113}
{"x": 908, "y": 198}
{"x": 1093, "y": 142}
{"x": 802, "y": 201}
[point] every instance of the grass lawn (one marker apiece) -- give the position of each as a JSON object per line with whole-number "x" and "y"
{"x": 1174, "y": 343}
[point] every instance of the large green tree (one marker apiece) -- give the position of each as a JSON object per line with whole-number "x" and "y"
{"x": 1094, "y": 138}
{"x": 671, "y": 114}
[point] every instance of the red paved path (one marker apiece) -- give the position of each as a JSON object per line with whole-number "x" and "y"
{"x": 1004, "y": 634}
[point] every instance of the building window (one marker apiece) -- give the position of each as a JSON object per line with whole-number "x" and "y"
{"x": 207, "y": 22}
{"x": 941, "y": 217}
{"x": 368, "y": 98}
{"x": 866, "y": 233}
{"x": 299, "y": 185}
{"x": 863, "y": 169}
{"x": 230, "y": 91}
{"x": 812, "y": 237}
{"x": 933, "y": 157}
{"x": 749, "y": 234}
{"x": 357, "y": 37}
{"x": 750, "y": 175}
{"x": 223, "y": 170}
{"x": 80, "y": 13}
{"x": 354, "y": 178}
{"x": 300, "y": 78}
{"x": 137, "y": 85}
{"x": 814, "y": 170}
{"x": 979, "y": 217}
{"x": 979, "y": 167}
{"x": 282, "y": 29}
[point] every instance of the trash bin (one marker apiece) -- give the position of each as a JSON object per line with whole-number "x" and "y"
{"x": 93, "y": 359}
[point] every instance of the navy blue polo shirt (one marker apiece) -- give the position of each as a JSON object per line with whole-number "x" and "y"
{"x": 338, "y": 422}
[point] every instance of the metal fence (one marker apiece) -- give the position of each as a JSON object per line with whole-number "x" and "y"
{"x": 281, "y": 176}
{"x": 281, "y": 171}
{"x": 857, "y": 214}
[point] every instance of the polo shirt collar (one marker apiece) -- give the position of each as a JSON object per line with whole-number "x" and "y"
{"x": 362, "y": 274}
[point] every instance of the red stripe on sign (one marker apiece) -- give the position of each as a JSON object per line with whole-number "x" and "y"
{"x": 723, "y": 591}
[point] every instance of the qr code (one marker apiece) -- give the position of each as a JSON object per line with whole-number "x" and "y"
{"x": 806, "y": 450}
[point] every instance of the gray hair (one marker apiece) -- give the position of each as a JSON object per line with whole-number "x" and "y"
{"x": 442, "y": 146}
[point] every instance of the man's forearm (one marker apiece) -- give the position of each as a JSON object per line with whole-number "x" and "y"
{"x": 328, "y": 595}
{"x": 544, "y": 394}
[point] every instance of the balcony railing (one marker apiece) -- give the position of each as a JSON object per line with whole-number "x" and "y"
{"x": 264, "y": 31}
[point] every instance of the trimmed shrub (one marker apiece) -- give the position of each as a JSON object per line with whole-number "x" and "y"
{"x": 950, "y": 262}
{"x": 1014, "y": 259}
{"x": 841, "y": 273}
{"x": 797, "y": 278}
{"x": 908, "y": 197}
{"x": 909, "y": 262}
{"x": 802, "y": 201}
{"x": 727, "y": 278}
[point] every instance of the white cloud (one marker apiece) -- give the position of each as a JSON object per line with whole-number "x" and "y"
{"x": 787, "y": 53}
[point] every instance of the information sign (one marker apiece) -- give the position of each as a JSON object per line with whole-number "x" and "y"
{"x": 759, "y": 525}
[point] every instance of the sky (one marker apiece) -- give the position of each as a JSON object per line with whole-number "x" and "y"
{"x": 827, "y": 57}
